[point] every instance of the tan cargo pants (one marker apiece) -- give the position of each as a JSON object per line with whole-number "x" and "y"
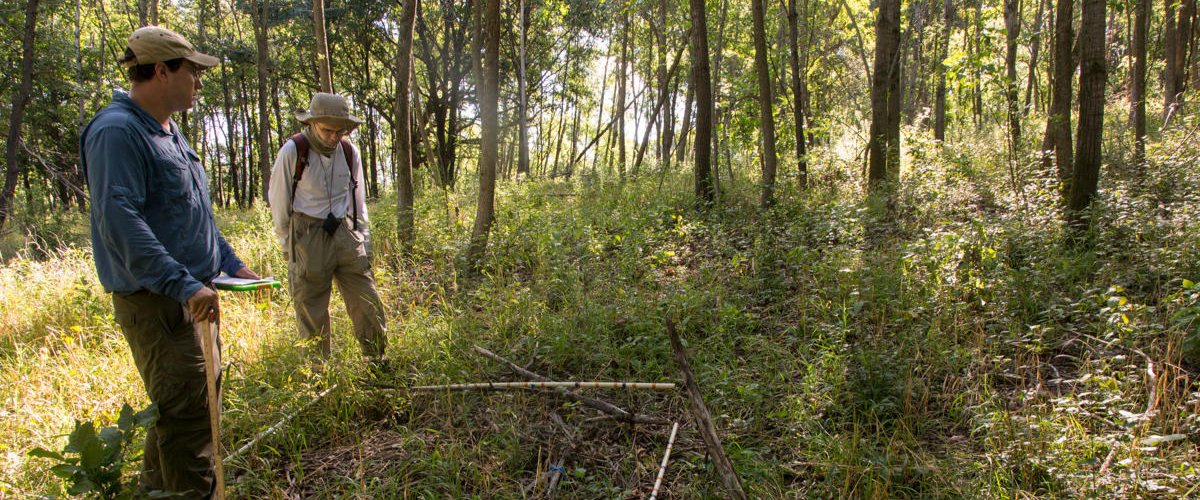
{"x": 317, "y": 260}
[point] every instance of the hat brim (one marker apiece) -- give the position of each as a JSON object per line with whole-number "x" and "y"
{"x": 204, "y": 61}
{"x": 305, "y": 117}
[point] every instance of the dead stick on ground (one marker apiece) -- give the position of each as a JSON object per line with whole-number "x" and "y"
{"x": 704, "y": 419}
{"x": 598, "y": 404}
{"x": 212, "y": 366}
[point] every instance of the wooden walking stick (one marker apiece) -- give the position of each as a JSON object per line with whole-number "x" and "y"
{"x": 212, "y": 368}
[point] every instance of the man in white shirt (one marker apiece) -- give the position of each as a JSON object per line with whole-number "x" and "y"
{"x": 320, "y": 219}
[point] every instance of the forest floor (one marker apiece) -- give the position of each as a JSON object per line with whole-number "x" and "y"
{"x": 962, "y": 346}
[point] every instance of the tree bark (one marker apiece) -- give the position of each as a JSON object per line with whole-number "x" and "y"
{"x": 1137, "y": 97}
{"x": 766, "y": 115}
{"x": 701, "y": 81}
{"x": 797, "y": 93}
{"x": 522, "y": 103}
{"x": 884, "y": 146}
{"x": 1035, "y": 46}
{"x": 1092, "y": 75}
{"x": 324, "y": 66}
{"x": 939, "y": 107}
{"x": 12, "y": 155}
{"x": 264, "y": 122}
{"x": 621, "y": 96}
{"x": 1058, "y": 121}
{"x": 402, "y": 129}
{"x": 1171, "y": 67}
{"x": 490, "y": 127}
{"x": 1012, "y": 24}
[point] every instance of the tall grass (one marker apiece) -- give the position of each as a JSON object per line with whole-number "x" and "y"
{"x": 961, "y": 347}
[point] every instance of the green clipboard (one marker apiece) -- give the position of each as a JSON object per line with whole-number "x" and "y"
{"x": 230, "y": 283}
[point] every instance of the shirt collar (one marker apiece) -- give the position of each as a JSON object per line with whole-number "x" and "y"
{"x": 121, "y": 98}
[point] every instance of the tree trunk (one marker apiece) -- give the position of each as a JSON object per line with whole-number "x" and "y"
{"x": 1171, "y": 68}
{"x": 766, "y": 115}
{"x": 704, "y": 102}
{"x": 621, "y": 96}
{"x": 522, "y": 103}
{"x": 489, "y": 130}
{"x": 1012, "y": 24}
{"x": 264, "y": 122}
{"x": 1058, "y": 121}
{"x": 12, "y": 155}
{"x": 667, "y": 129}
{"x": 1092, "y": 75}
{"x": 402, "y": 129}
{"x": 793, "y": 18}
{"x": 939, "y": 107}
{"x": 1035, "y": 46}
{"x": 883, "y": 149}
{"x": 324, "y": 66}
{"x": 1137, "y": 97}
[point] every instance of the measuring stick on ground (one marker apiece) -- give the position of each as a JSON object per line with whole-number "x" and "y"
{"x": 536, "y": 385}
{"x": 212, "y": 367}
{"x": 662, "y": 469}
{"x": 279, "y": 424}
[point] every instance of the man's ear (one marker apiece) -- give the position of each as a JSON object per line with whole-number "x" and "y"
{"x": 161, "y": 70}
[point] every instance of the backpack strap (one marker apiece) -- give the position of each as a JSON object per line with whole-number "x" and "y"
{"x": 301, "y": 143}
{"x": 348, "y": 153}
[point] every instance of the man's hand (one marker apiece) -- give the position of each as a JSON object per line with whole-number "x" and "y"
{"x": 246, "y": 273}
{"x": 203, "y": 304}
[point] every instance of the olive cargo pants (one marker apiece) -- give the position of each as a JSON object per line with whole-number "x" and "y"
{"x": 316, "y": 260}
{"x": 166, "y": 348}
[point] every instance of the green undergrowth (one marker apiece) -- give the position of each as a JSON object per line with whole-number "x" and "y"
{"x": 962, "y": 346}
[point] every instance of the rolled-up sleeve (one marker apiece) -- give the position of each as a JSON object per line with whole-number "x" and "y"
{"x": 118, "y": 194}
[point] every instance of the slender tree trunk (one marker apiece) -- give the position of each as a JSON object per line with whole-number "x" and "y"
{"x": 766, "y": 115}
{"x": 402, "y": 129}
{"x": 12, "y": 155}
{"x": 490, "y": 127}
{"x": 701, "y": 81}
{"x": 1012, "y": 24}
{"x": 939, "y": 107}
{"x": 1137, "y": 98}
{"x": 264, "y": 122}
{"x": 793, "y": 18}
{"x": 522, "y": 110}
{"x": 1171, "y": 68}
{"x": 1093, "y": 73}
{"x": 324, "y": 66}
{"x": 1058, "y": 123}
{"x": 1035, "y": 46}
{"x": 667, "y": 130}
{"x": 689, "y": 101}
{"x": 717, "y": 119}
{"x": 622, "y": 78}
{"x": 884, "y": 153}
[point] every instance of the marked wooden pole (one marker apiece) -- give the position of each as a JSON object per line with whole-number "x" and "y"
{"x": 662, "y": 469}
{"x": 548, "y": 384}
{"x": 212, "y": 367}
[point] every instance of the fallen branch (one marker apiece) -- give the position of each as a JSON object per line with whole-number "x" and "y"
{"x": 704, "y": 419}
{"x": 598, "y": 404}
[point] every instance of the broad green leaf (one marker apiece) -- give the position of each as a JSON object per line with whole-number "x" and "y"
{"x": 44, "y": 453}
{"x": 82, "y": 435}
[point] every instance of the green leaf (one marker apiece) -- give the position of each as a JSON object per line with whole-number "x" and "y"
{"x": 44, "y": 453}
{"x": 83, "y": 485}
{"x": 148, "y": 417}
{"x": 82, "y": 435}
{"x": 92, "y": 454}
{"x": 65, "y": 471}
{"x": 125, "y": 420}
{"x": 1188, "y": 284}
{"x": 112, "y": 436}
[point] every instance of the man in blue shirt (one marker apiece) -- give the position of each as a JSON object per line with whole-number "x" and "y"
{"x": 157, "y": 248}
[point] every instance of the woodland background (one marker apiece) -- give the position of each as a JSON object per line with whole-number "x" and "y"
{"x": 923, "y": 249}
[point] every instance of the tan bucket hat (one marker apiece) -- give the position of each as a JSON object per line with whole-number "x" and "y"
{"x": 151, "y": 44}
{"x": 331, "y": 108}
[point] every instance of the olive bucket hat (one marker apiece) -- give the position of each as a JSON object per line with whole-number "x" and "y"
{"x": 151, "y": 44}
{"x": 328, "y": 108}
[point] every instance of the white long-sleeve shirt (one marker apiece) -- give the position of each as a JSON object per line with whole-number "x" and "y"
{"x": 324, "y": 188}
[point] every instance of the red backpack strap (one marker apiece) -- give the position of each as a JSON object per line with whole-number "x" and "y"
{"x": 348, "y": 153}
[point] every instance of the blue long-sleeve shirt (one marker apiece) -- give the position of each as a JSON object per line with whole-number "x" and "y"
{"x": 152, "y": 219}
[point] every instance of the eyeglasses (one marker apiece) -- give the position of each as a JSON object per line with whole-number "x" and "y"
{"x": 196, "y": 72}
{"x": 341, "y": 132}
